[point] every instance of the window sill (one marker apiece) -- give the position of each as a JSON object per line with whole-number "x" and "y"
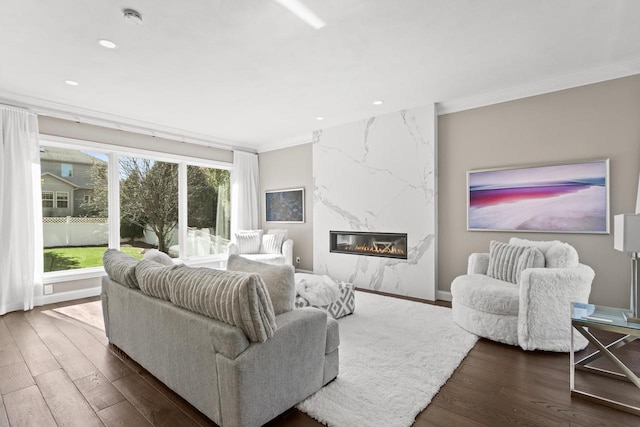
{"x": 70, "y": 275}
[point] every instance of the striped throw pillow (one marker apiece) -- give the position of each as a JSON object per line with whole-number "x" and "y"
{"x": 153, "y": 278}
{"x": 249, "y": 241}
{"x": 272, "y": 243}
{"x": 506, "y": 262}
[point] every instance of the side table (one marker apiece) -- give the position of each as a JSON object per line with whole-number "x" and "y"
{"x": 588, "y": 317}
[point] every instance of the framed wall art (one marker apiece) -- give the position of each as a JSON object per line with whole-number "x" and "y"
{"x": 555, "y": 198}
{"x": 284, "y": 205}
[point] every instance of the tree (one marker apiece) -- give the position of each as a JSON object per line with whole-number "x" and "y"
{"x": 149, "y": 196}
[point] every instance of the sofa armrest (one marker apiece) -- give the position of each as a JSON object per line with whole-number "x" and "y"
{"x": 232, "y": 248}
{"x": 546, "y": 295}
{"x": 287, "y": 251}
{"x": 288, "y": 365}
{"x": 478, "y": 263}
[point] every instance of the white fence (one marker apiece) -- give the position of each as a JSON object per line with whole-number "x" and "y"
{"x": 78, "y": 231}
{"x": 74, "y": 231}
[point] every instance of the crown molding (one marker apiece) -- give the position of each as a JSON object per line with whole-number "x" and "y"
{"x": 540, "y": 87}
{"x": 97, "y": 118}
{"x": 287, "y": 143}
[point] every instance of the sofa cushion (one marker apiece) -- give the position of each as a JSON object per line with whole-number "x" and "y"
{"x": 120, "y": 267}
{"x": 333, "y": 335}
{"x": 486, "y": 294}
{"x": 158, "y": 256}
{"x": 503, "y": 261}
{"x": 236, "y": 298}
{"x": 278, "y": 278}
{"x": 562, "y": 255}
{"x": 153, "y": 278}
{"x": 249, "y": 241}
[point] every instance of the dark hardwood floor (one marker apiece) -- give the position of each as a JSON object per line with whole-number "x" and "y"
{"x": 55, "y": 370}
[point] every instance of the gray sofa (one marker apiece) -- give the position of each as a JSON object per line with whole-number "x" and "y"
{"x": 213, "y": 365}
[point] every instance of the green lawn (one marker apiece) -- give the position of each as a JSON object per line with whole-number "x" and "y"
{"x": 67, "y": 258}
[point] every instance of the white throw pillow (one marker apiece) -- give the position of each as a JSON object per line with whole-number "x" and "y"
{"x": 561, "y": 255}
{"x": 282, "y": 231}
{"x": 158, "y": 256}
{"x": 272, "y": 243}
{"x": 249, "y": 241}
{"x": 543, "y": 245}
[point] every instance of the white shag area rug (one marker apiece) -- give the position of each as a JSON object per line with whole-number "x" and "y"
{"x": 394, "y": 357}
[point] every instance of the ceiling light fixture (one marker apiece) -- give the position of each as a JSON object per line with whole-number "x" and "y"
{"x": 132, "y": 16}
{"x": 303, "y": 12}
{"x": 107, "y": 43}
{"x": 378, "y": 102}
{"x": 319, "y": 118}
{"x": 71, "y": 82}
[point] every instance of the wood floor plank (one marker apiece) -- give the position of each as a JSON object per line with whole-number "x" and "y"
{"x": 122, "y": 414}
{"x": 156, "y": 408}
{"x": 438, "y": 416}
{"x": 4, "y": 421}
{"x": 27, "y": 408}
{"x": 74, "y": 363}
{"x": 15, "y": 377}
{"x": 66, "y": 403}
{"x": 9, "y": 353}
{"x": 98, "y": 391}
{"x": 35, "y": 354}
{"x": 101, "y": 357}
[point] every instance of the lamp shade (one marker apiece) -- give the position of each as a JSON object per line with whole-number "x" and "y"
{"x": 626, "y": 233}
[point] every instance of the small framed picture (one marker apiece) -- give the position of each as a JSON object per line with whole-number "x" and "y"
{"x": 284, "y": 205}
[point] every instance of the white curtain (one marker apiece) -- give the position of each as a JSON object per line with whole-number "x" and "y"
{"x": 20, "y": 211}
{"x": 245, "y": 192}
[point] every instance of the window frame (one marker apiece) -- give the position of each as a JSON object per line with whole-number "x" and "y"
{"x": 58, "y": 200}
{"x": 69, "y": 170}
{"x": 52, "y": 199}
{"x": 114, "y": 151}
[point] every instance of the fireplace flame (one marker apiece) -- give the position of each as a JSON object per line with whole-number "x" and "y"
{"x": 377, "y": 249}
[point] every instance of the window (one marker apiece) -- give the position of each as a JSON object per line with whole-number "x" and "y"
{"x": 62, "y": 199}
{"x": 66, "y": 170}
{"x": 47, "y": 199}
{"x": 153, "y": 191}
{"x": 207, "y": 210}
{"x": 149, "y": 203}
{"x": 76, "y": 235}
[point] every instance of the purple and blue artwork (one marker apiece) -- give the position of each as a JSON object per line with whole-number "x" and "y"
{"x": 561, "y": 198}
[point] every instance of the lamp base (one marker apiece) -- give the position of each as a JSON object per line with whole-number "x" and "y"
{"x": 630, "y": 319}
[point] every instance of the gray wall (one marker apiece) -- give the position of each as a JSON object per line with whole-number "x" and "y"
{"x": 590, "y": 122}
{"x": 69, "y": 129}
{"x": 291, "y": 168}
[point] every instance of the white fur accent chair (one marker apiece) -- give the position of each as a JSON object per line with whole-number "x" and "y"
{"x": 535, "y": 313}
{"x": 264, "y": 250}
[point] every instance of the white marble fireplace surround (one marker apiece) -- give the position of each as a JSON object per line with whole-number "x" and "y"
{"x": 378, "y": 175}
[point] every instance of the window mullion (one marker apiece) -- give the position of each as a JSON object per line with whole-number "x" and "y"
{"x": 114, "y": 200}
{"x": 182, "y": 210}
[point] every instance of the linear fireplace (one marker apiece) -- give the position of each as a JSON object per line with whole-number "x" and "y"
{"x": 389, "y": 245}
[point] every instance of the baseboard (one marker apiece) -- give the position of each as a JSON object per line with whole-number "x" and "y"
{"x": 71, "y": 295}
{"x": 443, "y": 295}
{"x": 303, "y": 271}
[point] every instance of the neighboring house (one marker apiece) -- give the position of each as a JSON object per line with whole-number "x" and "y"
{"x": 66, "y": 181}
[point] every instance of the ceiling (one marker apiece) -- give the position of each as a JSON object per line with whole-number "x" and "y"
{"x": 251, "y": 74}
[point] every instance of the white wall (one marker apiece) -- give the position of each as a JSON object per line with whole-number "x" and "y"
{"x": 378, "y": 175}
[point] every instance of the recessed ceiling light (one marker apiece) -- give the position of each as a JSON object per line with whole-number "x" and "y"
{"x": 107, "y": 43}
{"x": 319, "y": 118}
{"x": 71, "y": 82}
{"x": 378, "y": 102}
